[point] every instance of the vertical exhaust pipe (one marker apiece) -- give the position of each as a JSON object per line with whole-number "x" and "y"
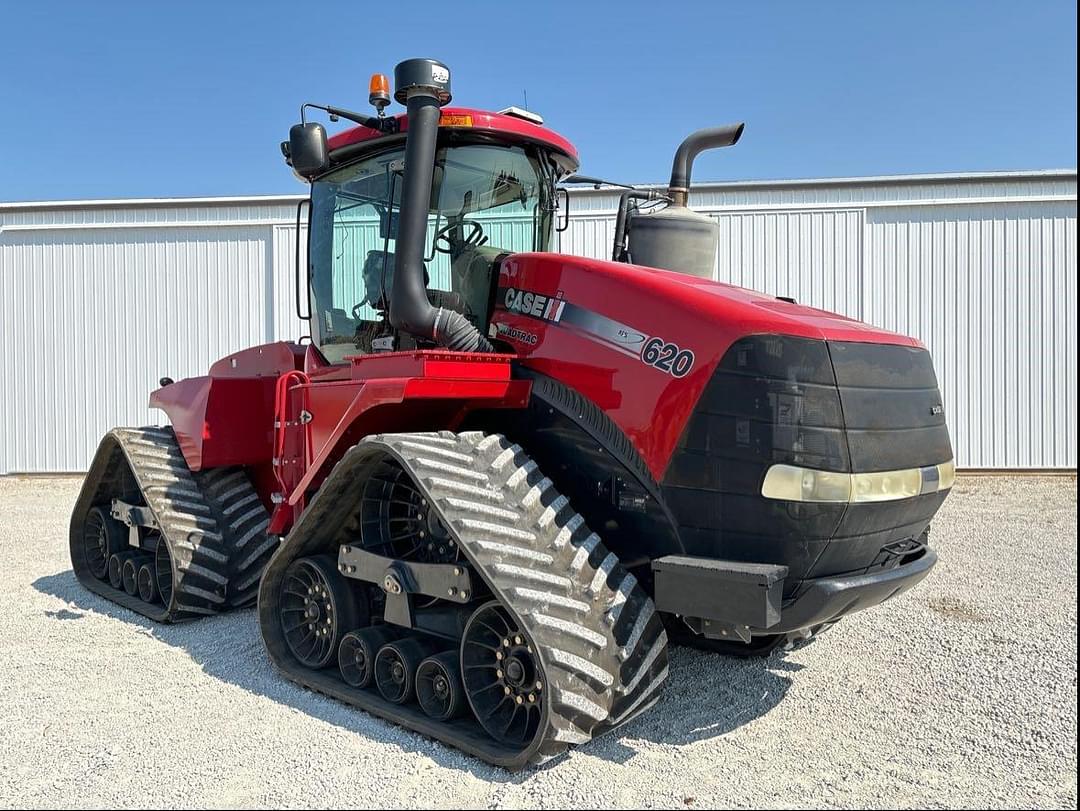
{"x": 678, "y": 238}
{"x": 423, "y": 86}
{"x": 695, "y": 143}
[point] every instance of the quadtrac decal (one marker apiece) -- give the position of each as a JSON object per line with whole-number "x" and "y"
{"x": 655, "y": 352}
{"x": 512, "y": 333}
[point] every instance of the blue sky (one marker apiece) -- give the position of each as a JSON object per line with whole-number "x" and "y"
{"x": 149, "y": 99}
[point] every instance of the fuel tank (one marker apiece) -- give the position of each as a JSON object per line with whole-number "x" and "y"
{"x": 727, "y": 398}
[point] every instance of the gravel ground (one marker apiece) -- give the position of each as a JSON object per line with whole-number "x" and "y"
{"x": 959, "y": 693}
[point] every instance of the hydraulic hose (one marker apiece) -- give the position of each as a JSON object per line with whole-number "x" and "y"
{"x": 618, "y": 250}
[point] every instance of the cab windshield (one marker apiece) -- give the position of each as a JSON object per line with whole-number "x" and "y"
{"x": 487, "y": 201}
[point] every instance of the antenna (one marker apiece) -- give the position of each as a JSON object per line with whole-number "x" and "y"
{"x": 525, "y": 97}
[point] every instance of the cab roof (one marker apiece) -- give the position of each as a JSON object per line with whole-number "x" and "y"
{"x": 467, "y": 118}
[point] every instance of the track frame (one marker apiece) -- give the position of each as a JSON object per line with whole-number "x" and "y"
{"x": 205, "y": 539}
{"x": 601, "y": 645}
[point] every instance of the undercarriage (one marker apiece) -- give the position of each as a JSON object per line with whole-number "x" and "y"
{"x": 169, "y": 543}
{"x": 459, "y": 594}
{"x": 437, "y": 580}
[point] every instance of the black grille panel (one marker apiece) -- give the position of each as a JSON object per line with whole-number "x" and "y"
{"x": 892, "y": 407}
{"x": 846, "y": 407}
{"x": 882, "y": 366}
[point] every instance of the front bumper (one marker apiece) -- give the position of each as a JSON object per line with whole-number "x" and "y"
{"x": 827, "y": 599}
{"x": 731, "y": 600}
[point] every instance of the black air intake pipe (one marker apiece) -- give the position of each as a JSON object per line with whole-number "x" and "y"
{"x": 423, "y": 85}
{"x": 711, "y": 138}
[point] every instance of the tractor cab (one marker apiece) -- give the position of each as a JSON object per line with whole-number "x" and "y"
{"x": 489, "y": 199}
{"x": 492, "y": 194}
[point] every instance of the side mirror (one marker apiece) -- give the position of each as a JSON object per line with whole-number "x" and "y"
{"x": 308, "y": 153}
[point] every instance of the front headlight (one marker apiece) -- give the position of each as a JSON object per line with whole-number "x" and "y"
{"x": 792, "y": 483}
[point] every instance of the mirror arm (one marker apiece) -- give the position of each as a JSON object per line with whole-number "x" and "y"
{"x": 382, "y": 124}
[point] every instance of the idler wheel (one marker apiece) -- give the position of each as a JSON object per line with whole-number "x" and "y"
{"x": 163, "y": 570}
{"x": 317, "y": 607}
{"x": 503, "y": 679}
{"x": 103, "y": 537}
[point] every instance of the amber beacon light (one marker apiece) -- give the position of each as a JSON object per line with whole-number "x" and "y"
{"x": 379, "y": 91}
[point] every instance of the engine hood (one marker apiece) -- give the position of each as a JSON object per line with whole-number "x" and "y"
{"x": 642, "y": 343}
{"x": 755, "y": 311}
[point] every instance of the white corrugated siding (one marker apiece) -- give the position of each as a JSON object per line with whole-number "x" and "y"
{"x": 92, "y": 318}
{"x": 98, "y": 301}
{"x": 287, "y": 326}
{"x": 811, "y": 256}
{"x": 991, "y": 291}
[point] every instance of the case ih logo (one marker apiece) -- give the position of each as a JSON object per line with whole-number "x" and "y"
{"x": 549, "y": 308}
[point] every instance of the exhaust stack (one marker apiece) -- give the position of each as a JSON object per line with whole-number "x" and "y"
{"x": 694, "y": 144}
{"x": 678, "y": 238}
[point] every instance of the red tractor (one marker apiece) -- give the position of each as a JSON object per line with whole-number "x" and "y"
{"x": 497, "y": 481}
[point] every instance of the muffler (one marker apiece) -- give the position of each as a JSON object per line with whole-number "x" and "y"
{"x": 678, "y": 238}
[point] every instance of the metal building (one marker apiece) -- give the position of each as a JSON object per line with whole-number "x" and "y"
{"x": 98, "y": 299}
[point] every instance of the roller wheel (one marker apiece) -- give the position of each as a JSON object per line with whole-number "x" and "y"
{"x": 147, "y": 582}
{"x": 163, "y": 570}
{"x": 356, "y": 656}
{"x": 438, "y": 687}
{"x": 395, "y": 669}
{"x": 103, "y": 537}
{"x": 503, "y": 679}
{"x": 116, "y": 567}
{"x": 116, "y": 571}
{"x": 317, "y": 608}
{"x": 130, "y": 574}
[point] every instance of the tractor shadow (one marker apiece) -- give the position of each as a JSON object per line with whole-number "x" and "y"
{"x": 706, "y": 696}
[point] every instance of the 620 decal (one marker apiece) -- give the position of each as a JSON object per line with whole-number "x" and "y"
{"x": 667, "y": 357}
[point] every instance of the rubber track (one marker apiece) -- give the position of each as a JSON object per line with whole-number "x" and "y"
{"x": 600, "y": 641}
{"x": 193, "y": 525}
{"x": 242, "y": 521}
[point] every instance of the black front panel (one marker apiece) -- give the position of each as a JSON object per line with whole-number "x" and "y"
{"x": 892, "y": 407}
{"x": 771, "y": 400}
{"x": 829, "y": 406}
{"x": 867, "y": 528}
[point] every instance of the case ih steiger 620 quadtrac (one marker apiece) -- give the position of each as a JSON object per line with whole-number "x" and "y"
{"x": 497, "y": 481}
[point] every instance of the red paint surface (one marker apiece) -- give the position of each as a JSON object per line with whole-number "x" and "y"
{"x": 481, "y": 120}
{"x": 204, "y": 413}
{"x": 228, "y": 417}
{"x": 649, "y": 405}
